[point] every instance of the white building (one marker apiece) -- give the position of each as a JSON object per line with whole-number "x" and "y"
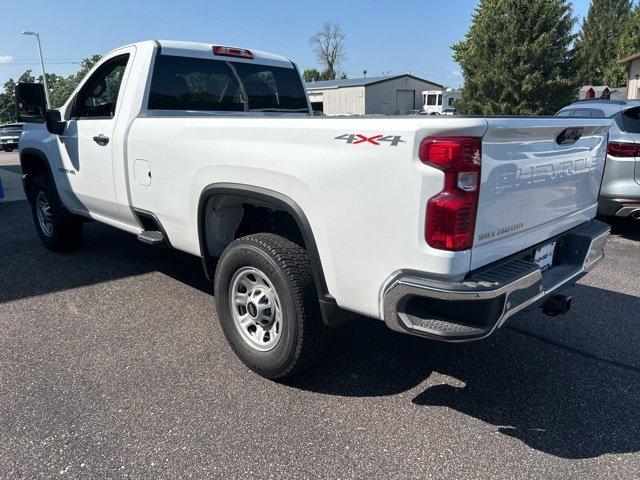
{"x": 390, "y": 95}
{"x": 633, "y": 79}
{"x": 438, "y": 101}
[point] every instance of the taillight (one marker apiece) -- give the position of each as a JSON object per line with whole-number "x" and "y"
{"x": 617, "y": 149}
{"x": 451, "y": 214}
{"x": 232, "y": 52}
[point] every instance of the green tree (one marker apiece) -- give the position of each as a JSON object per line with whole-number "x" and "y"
{"x": 311, "y": 75}
{"x": 516, "y": 58}
{"x": 56, "y": 83}
{"x": 597, "y": 47}
{"x": 7, "y": 98}
{"x": 59, "y": 88}
{"x": 628, "y": 44}
{"x": 62, "y": 90}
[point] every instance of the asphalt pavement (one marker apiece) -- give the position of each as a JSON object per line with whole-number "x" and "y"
{"x": 112, "y": 365}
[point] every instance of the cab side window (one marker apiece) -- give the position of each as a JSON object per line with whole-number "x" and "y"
{"x": 99, "y": 96}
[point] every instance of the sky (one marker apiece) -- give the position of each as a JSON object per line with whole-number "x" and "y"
{"x": 381, "y": 36}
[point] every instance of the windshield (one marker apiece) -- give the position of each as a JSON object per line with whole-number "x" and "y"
{"x": 186, "y": 83}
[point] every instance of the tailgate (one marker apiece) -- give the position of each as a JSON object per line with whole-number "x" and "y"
{"x": 534, "y": 186}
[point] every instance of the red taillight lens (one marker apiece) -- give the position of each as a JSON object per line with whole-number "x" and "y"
{"x": 232, "y": 52}
{"x": 451, "y": 215}
{"x": 617, "y": 149}
{"x": 451, "y": 152}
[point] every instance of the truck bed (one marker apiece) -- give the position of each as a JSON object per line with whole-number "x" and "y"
{"x": 362, "y": 177}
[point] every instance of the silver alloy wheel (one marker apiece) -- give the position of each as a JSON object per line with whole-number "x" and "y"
{"x": 43, "y": 211}
{"x": 255, "y": 308}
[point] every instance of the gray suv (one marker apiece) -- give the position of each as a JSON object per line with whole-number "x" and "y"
{"x": 620, "y": 192}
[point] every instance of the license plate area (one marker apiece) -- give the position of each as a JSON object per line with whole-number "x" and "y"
{"x": 543, "y": 256}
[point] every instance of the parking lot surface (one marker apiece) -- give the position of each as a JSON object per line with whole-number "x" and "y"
{"x": 112, "y": 365}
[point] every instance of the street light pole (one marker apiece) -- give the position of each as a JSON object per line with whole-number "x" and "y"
{"x": 44, "y": 74}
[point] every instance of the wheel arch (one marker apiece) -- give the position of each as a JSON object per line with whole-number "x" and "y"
{"x": 270, "y": 198}
{"x": 32, "y": 162}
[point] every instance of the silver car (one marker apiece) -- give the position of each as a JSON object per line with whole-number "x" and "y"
{"x": 620, "y": 192}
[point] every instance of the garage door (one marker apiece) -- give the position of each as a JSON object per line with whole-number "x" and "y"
{"x": 405, "y": 100}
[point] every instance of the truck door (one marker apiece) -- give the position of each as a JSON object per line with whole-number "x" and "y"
{"x": 86, "y": 145}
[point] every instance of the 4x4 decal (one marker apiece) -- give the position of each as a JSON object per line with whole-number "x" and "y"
{"x": 356, "y": 138}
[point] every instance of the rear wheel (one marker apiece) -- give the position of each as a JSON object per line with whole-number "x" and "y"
{"x": 58, "y": 229}
{"x": 267, "y": 305}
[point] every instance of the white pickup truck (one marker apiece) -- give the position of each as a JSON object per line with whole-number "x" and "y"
{"x": 442, "y": 227}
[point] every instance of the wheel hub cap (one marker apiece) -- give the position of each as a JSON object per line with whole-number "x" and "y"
{"x": 44, "y": 214}
{"x": 255, "y": 308}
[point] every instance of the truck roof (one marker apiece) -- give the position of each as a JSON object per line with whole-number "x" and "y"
{"x": 197, "y": 49}
{"x": 204, "y": 50}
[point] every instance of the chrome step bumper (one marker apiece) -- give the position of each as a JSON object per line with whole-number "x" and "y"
{"x": 476, "y": 307}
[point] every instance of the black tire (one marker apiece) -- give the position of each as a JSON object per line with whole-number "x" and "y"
{"x": 66, "y": 229}
{"x": 286, "y": 265}
{"x": 7, "y": 149}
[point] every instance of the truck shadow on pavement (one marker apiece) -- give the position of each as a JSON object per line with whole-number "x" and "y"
{"x": 558, "y": 398}
{"x": 625, "y": 227}
{"x": 105, "y": 254}
{"x": 571, "y": 391}
{"x": 16, "y": 169}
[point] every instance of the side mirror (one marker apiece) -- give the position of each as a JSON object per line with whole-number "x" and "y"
{"x": 30, "y": 102}
{"x": 32, "y": 108}
{"x": 54, "y": 122}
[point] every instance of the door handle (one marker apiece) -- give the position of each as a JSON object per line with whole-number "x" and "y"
{"x": 101, "y": 140}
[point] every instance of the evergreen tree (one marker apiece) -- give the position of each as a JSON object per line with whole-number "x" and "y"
{"x": 597, "y": 46}
{"x": 516, "y": 58}
{"x": 628, "y": 44}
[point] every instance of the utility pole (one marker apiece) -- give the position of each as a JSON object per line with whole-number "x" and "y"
{"x": 44, "y": 73}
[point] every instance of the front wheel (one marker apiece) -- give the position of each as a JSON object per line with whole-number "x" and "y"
{"x": 267, "y": 305}
{"x": 7, "y": 149}
{"x": 58, "y": 229}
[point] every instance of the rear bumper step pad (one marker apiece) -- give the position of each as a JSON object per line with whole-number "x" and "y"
{"x": 476, "y": 307}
